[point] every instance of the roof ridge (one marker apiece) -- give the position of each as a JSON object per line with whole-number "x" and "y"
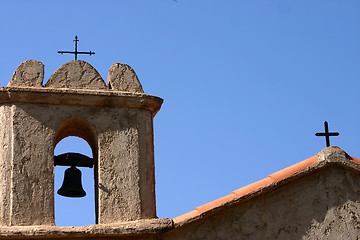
{"x": 330, "y": 154}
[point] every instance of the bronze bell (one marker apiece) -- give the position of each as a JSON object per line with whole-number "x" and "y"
{"x": 72, "y": 186}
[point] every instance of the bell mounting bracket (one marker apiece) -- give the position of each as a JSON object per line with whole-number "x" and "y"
{"x": 73, "y": 159}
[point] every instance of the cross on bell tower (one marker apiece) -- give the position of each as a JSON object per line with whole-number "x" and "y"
{"x": 76, "y": 51}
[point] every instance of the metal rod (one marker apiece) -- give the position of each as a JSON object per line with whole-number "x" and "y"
{"x": 327, "y": 134}
{"x": 76, "y": 51}
{"x": 73, "y": 159}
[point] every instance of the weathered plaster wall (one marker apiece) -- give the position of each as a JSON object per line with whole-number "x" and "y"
{"x": 32, "y": 166}
{"x": 135, "y": 230}
{"x": 29, "y": 74}
{"x": 123, "y": 78}
{"x": 321, "y": 205}
{"x": 125, "y": 161}
{"x": 5, "y": 163}
{"x": 76, "y": 75}
{"x": 126, "y": 165}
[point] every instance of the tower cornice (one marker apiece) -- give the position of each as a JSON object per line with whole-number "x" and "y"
{"x": 80, "y": 97}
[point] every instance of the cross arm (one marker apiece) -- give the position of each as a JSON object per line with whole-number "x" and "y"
{"x": 86, "y": 53}
{"x": 65, "y": 52}
{"x": 327, "y": 134}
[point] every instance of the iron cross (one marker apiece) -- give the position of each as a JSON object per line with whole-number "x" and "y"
{"x": 327, "y": 134}
{"x": 76, "y": 51}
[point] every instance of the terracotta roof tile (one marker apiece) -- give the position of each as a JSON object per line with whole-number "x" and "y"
{"x": 271, "y": 179}
{"x": 215, "y": 203}
{"x": 355, "y": 159}
{"x": 289, "y": 171}
{"x": 186, "y": 216}
{"x": 252, "y": 187}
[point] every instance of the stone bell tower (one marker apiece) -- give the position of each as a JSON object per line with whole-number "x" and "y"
{"x": 116, "y": 119}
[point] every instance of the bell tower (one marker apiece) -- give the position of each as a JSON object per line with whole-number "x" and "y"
{"x": 115, "y": 118}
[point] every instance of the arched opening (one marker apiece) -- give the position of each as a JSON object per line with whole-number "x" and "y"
{"x": 76, "y": 136}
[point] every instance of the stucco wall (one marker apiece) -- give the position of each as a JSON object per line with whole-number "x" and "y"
{"x": 5, "y": 163}
{"x": 121, "y": 138}
{"x": 321, "y": 205}
{"x": 32, "y": 174}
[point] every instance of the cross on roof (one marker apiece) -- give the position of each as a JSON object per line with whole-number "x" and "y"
{"x": 76, "y": 51}
{"x": 327, "y": 134}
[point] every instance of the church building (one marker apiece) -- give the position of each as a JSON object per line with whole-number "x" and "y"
{"x": 318, "y": 198}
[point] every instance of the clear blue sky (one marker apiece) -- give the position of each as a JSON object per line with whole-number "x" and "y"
{"x": 246, "y": 84}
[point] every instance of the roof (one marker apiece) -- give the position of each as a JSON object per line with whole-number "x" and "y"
{"x": 329, "y": 155}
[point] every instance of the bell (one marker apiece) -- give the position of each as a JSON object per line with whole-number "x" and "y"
{"x": 71, "y": 186}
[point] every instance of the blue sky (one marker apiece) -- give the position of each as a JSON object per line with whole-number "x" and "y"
{"x": 246, "y": 84}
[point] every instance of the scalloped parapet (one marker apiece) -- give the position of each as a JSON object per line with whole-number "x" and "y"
{"x": 76, "y": 74}
{"x": 29, "y": 74}
{"x": 123, "y": 78}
